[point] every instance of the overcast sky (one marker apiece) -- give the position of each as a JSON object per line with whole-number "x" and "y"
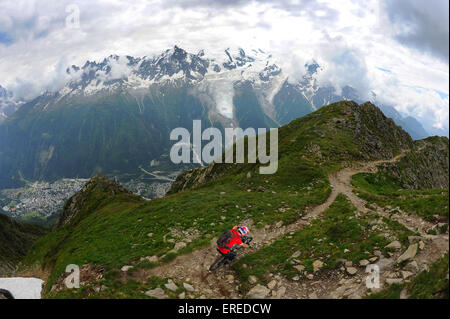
{"x": 397, "y": 48}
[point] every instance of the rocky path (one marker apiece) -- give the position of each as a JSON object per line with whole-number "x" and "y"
{"x": 338, "y": 283}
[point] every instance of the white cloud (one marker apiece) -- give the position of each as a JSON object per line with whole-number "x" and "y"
{"x": 352, "y": 39}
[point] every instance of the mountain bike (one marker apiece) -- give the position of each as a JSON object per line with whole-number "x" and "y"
{"x": 5, "y": 294}
{"x": 221, "y": 260}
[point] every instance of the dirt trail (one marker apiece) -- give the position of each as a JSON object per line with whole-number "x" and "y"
{"x": 193, "y": 267}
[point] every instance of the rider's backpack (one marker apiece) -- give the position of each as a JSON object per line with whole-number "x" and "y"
{"x": 225, "y": 239}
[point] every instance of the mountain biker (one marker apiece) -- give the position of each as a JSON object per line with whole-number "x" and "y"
{"x": 229, "y": 239}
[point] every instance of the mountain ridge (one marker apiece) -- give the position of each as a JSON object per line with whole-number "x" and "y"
{"x": 151, "y": 234}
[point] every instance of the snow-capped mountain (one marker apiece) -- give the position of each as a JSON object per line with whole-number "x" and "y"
{"x": 176, "y": 67}
{"x": 117, "y": 114}
{"x": 212, "y": 78}
{"x": 172, "y": 66}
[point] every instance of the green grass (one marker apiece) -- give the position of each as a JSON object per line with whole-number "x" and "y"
{"x": 16, "y": 238}
{"x": 326, "y": 239}
{"x": 432, "y": 284}
{"x": 113, "y": 231}
{"x": 116, "y": 289}
{"x": 382, "y": 190}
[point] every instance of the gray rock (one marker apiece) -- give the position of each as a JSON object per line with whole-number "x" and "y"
{"x": 188, "y": 287}
{"x": 258, "y": 292}
{"x": 406, "y": 274}
{"x": 281, "y": 292}
{"x": 391, "y": 281}
{"x": 409, "y": 254}
{"x": 412, "y": 266}
{"x": 395, "y": 245}
{"x": 126, "y": 268}
{"x": 351, "y": 270}
{"x": 182, "y": 295}
{"x": 271, "y": 284}
{"x": 157, "y": 293}
{"x": 385, "y": 264}
{"x": 364, "y": 262}
{"x": 414, "y": 239}
{"x": 171, "y": 286}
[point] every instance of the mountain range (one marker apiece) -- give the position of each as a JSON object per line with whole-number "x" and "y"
{"x": 116, "y": 115}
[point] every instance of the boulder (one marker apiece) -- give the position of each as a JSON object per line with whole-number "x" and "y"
{"x": 258, "y": 292}
{"x": 281, "y": 292}
{"x": 391, "y": 281}
{"x": 126, "y": 268}
{"x": 364, "y": 262}
{"x": 351, "y": 270}
{"x": 171, "y": 286}
{"x": 157, "y": 293}
{"x": 414, "y": 239}
{"x": 385, "y": 264}
{"x": 188, "y": 287}
{"x": 396, "y": 245}
{"x": 412, "y": 266}
{"x": 409, "y": 254}
{"x": 406, "y": 274}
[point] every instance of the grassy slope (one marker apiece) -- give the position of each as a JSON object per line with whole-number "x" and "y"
{"x": 432, "y": 284}
{"x": 326, "y": 239}
{"x": 16, "y": 238}
{"x": 116, "y": 232}
{"x": 382, "y": 190}
{"x": 411, "y": 188}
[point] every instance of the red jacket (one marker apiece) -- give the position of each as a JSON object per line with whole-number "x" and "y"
{"x": 236, "y": 240}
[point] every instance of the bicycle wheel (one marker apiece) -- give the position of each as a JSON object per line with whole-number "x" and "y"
{"x": 217, "y": 263}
